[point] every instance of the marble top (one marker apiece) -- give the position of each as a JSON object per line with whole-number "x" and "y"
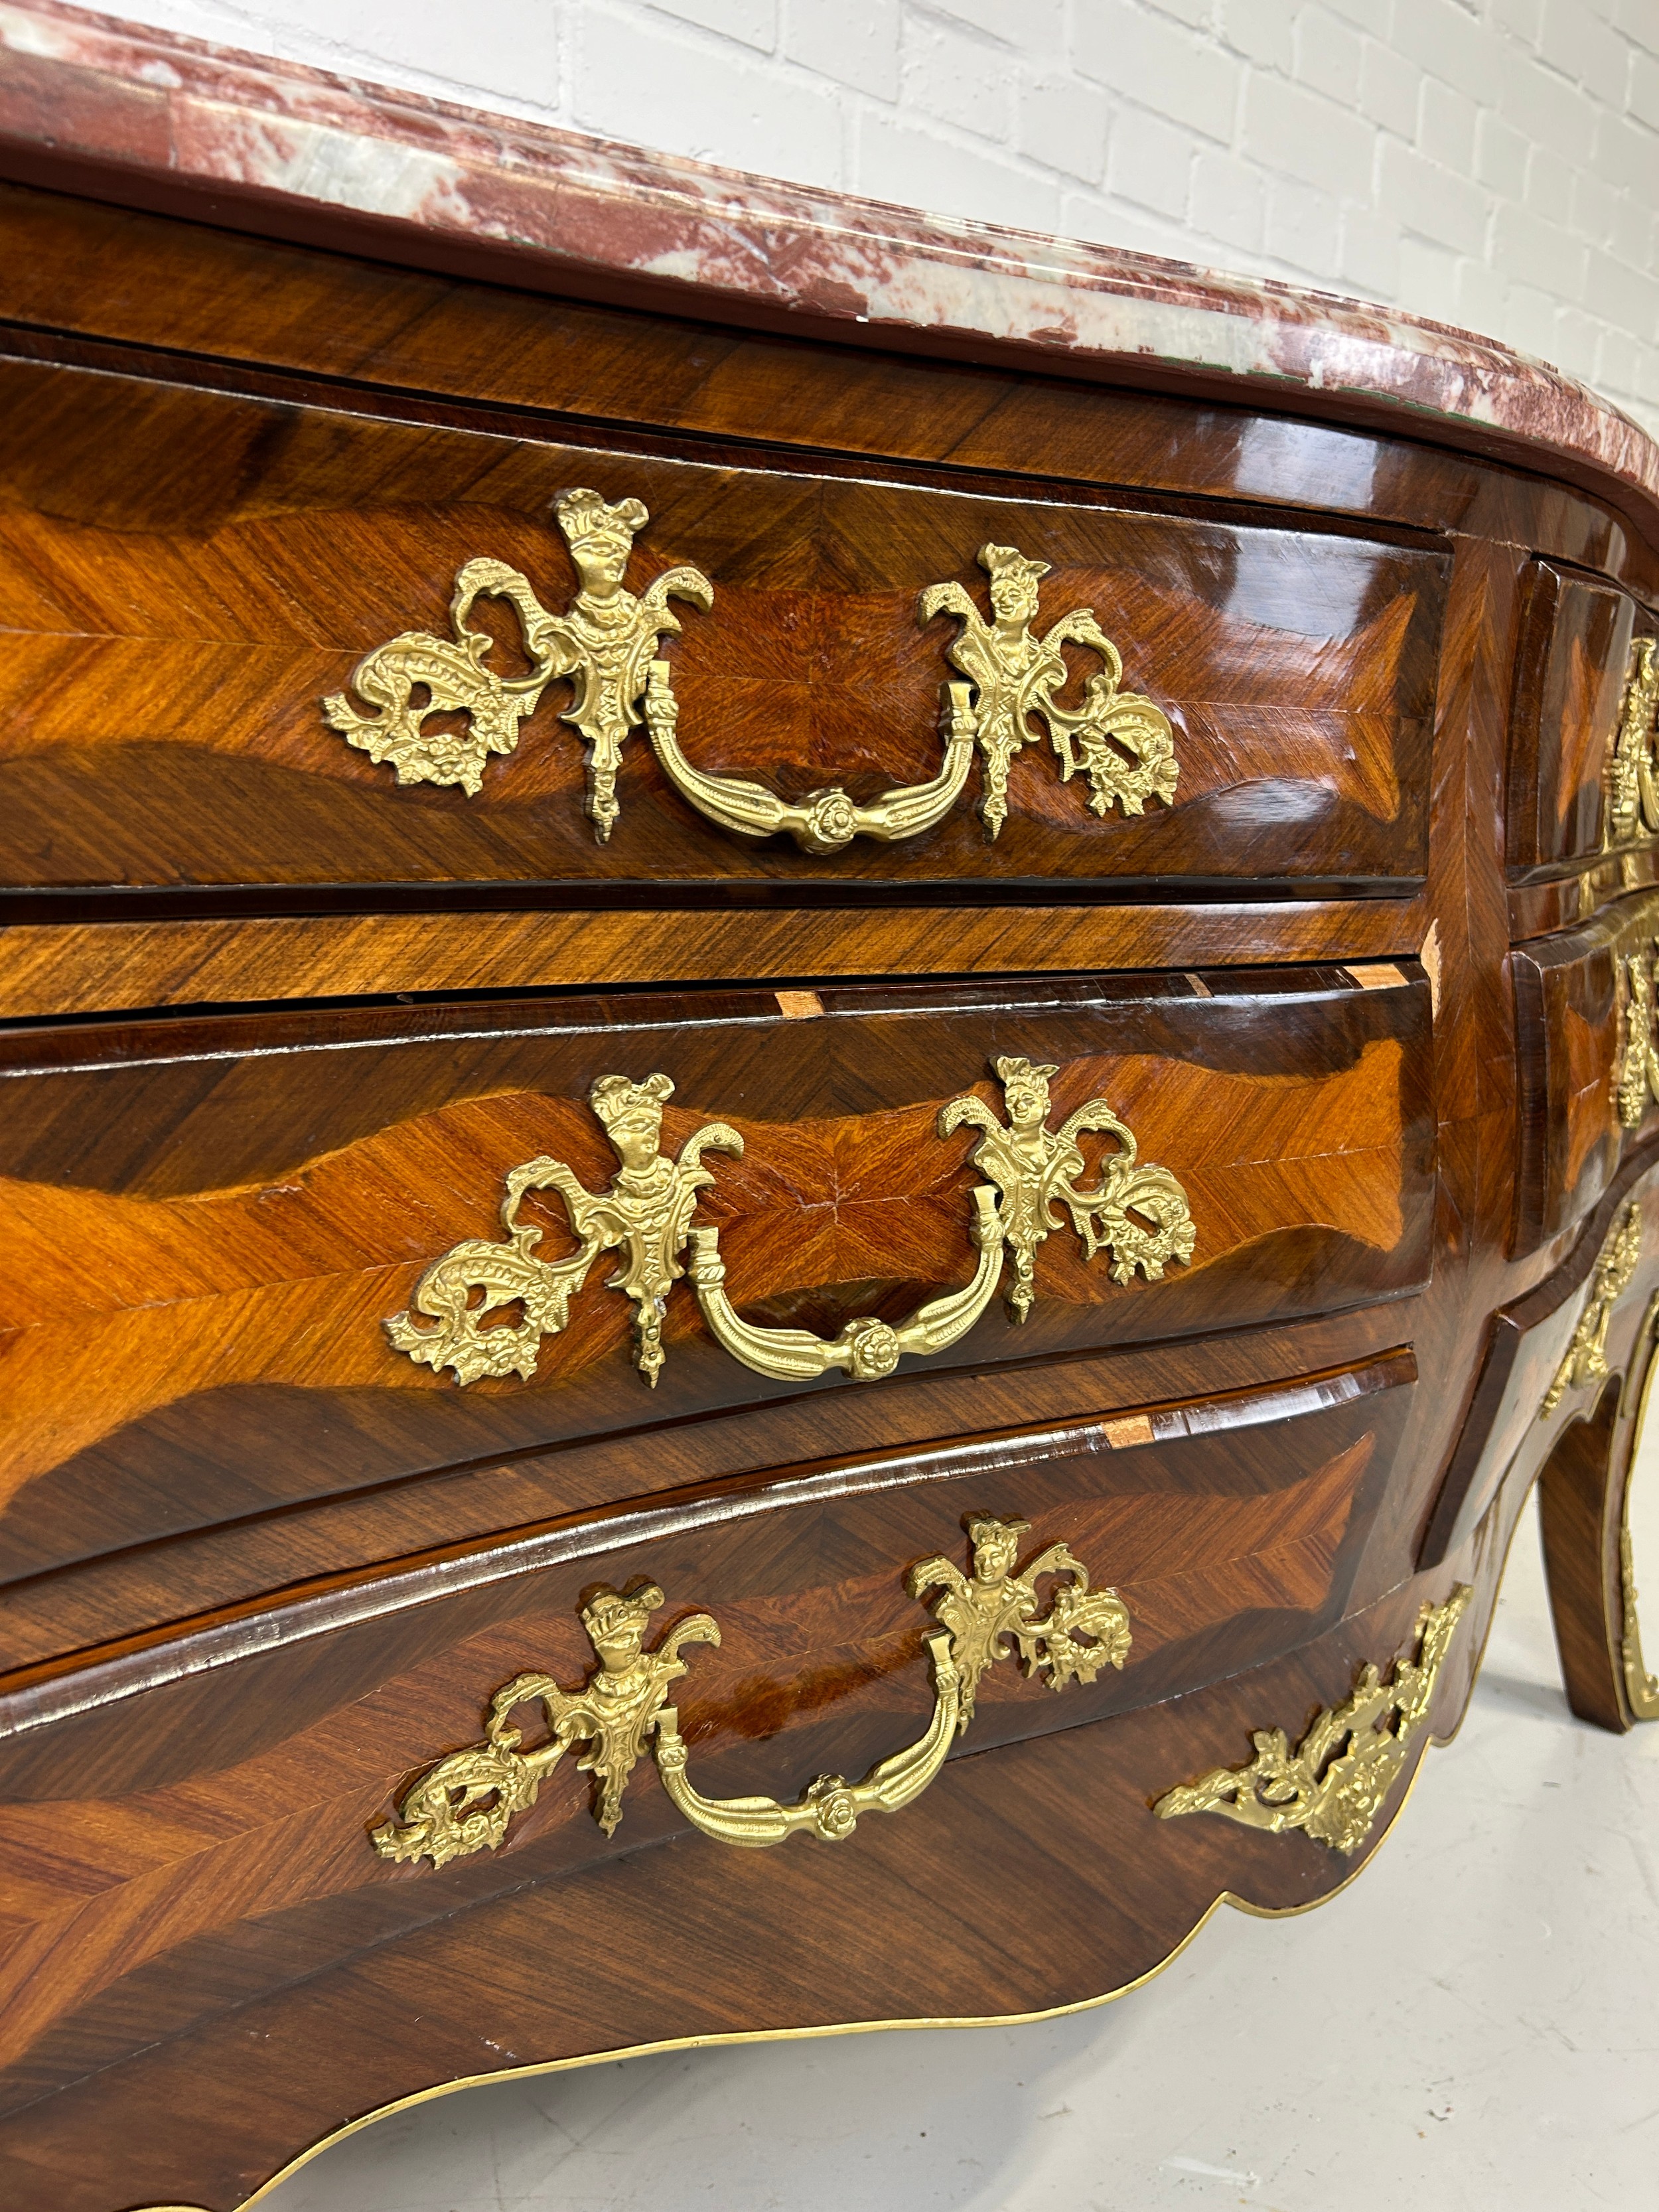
{"x": 276, "y": 146}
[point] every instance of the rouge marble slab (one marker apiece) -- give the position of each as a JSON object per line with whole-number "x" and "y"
{"x": 96, "y": 105}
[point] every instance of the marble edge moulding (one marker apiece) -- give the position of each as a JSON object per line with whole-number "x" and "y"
{"x": 80, "y": 90}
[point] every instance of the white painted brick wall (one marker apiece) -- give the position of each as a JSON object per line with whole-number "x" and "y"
{"x": 1491, "y": 162}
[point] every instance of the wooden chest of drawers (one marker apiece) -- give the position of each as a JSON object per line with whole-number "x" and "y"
{"x": 810, "y": 1120}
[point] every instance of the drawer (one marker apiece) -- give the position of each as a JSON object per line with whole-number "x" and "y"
{"x": 248, "y": 1253}
{"x": 1582, "y": 730}
{"x": 1548, "y": 1358}
{"x": 1587, "y": 1062}
{"x": 244, "y": 668}
{"x": 221, "y": 1797}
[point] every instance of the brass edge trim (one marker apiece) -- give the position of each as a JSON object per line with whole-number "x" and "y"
{"x": 842, "y": 2027}
{"x": 270, "y": 1628}
{"x": 1640, "y": 1688}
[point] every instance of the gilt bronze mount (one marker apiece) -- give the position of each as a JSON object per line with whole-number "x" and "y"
{"x": 1632, "y": 782}
{"x": 605, "y": 645}
{"x": 1120, "y": 740}
{"x": 647, "y": 1211}
{"x": 1332, "y": 1785}
{"x": 1636, "y": 1069}
{"x": 1136, "y": 1213}
{"x": 466, "y": 1802}
{"x": 1585, "y": 1359}
{"x": 1083, "y": 1631}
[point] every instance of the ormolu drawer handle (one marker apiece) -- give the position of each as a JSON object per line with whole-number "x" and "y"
{"x": 829, "y": 1807}
{"x": 980, "y": 1613}
{"x": 867, "y": 1347}
{"x": 829, "y": 819}
{"x": 466, "y": 1801}
{"x": 1136, "y": 1211}
{"x": 605, "y": 643}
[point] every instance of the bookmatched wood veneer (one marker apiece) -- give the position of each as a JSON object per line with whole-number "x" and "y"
{"x": 275, "y": 1028}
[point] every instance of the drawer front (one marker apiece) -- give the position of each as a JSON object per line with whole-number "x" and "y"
{"x": 1582, "y": 767}
{"x": 244, "y": 667}
{"x": 1588, "y": 1062}
{"x": 261, "y": 1259}
{"x": 266, "y": 1787}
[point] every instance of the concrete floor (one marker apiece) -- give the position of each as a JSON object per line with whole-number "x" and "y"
{"x": 1474, "y": 2025}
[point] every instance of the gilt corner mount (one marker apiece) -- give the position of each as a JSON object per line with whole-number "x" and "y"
{"x": 1136, "y": 1211}
{"x": 1332, "y": 1786}
{"x": 1631, "y": 784}
{"x": 605, "y": 645}
{"x": 1585, "y": 1359}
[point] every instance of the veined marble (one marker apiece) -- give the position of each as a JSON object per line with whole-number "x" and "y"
{"x": 291, "y": 142}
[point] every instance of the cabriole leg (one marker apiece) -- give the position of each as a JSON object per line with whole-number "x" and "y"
{"x": 1584, "y": 1497}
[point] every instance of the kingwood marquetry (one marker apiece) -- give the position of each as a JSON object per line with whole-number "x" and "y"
{"x": 1037, "y": 1122}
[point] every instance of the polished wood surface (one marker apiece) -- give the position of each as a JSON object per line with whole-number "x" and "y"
{"x": 251, "y": 306}
{"x": 163, "y": 716}
{"x": 273, "y": 1029}
{"x": 133, "y": 1598}
{"x": 1569, "y": 693}
{"x": 313, "y": 2009}
{"x": 1571, "y": 993}
{"x": 1572, "y": 664}
{"x": 1578, "y": 1497}
{"x": 262, "y": 1194}
{"x": 1259, "y": 1518}
{"x": 103, "y": 967}
{"x": 1507, "y": 1435}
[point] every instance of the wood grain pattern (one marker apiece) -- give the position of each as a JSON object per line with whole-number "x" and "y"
{"x": 1570, "y": 683}
{"x": 256, "y": 1569}
{"x": 210, "y": 1782}
{"x": 1580, "y": 1492}
{"x": 113, "y": 272}
{"x": 285, "y": 1199}
{"x": 1555, "y": 902}
{"x": 1568, "y": 1007}
{"x": 1078, "y": 1904}
{"x": 1503, "y": 1434}
{"x": 122, "y": 1668}
{"x": 217, "y": 300}
{"x": 368, "y": 1511}
{"x": 108, "y": 966}
{"x": 179, "y": 631}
